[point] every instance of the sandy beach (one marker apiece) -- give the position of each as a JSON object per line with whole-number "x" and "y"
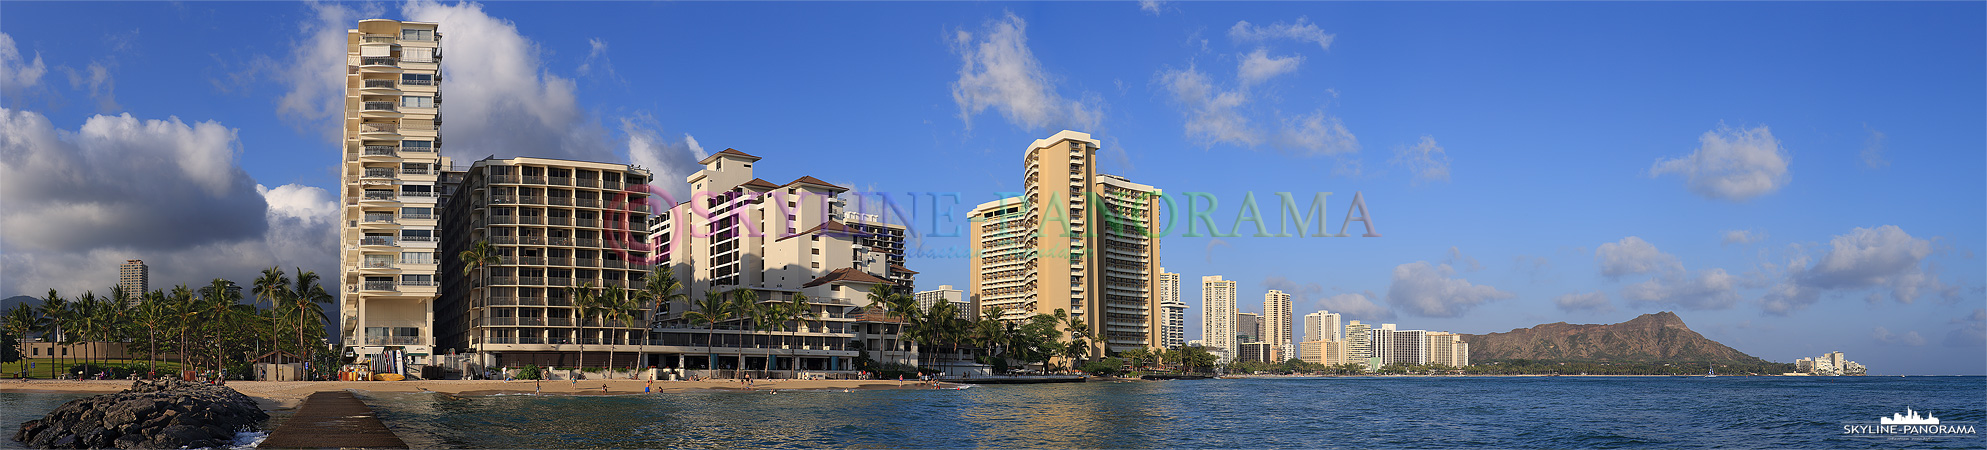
{"x": 283, "y": 395}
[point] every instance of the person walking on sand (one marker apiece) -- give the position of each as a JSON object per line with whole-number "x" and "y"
{"x": 649, "y": 387}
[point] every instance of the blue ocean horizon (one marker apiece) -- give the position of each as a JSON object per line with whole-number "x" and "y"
{"x": 1329, "y": 412}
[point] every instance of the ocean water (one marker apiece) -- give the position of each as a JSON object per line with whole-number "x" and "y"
{"x": 1385, "y": 412}
{"x": 1382, "y": 412}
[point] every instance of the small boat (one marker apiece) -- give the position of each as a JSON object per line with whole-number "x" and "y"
{"x": 1710, "y": 373}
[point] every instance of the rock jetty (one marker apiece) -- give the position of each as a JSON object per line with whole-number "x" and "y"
{"x": 151, "y": 414}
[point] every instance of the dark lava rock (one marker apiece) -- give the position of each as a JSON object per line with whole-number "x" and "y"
{"x": 151, "y": 414}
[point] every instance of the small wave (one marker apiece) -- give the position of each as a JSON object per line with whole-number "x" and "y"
{"x": 247, "y": 440}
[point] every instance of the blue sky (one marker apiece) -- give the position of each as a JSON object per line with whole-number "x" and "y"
{"x": 1525, "y": 162}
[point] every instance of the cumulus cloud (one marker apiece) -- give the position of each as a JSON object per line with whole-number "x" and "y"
{"x": 1731, "y": 164}
{"x": 997, "y": 70}
{"x": 1873, "y": 149}
{"x": 1302, "y": 31}
{"x": 1423, "y": 289}
{"x": 1884, "y": 337}
{"x": 1352, "y": 305}
{"x": 1633, "y": 256}
{"x": 1972, "y": 331}
{"x": 1258, "y": 66}
{"x": 1742, "y": 237}
{"x": 1318, "y": 133}
{"x": 1881, "y": 257}
{"x": 1591, "y": 302}
{"x": 501, "y": 98}
{"x": 314, "y": 71}
{"x": 1212, "y": 114}
{"x": 118, "y": 187}
{"x": 1425, "y": 159}
{"x": 18, "y": 73}
{"x": 1708, "y": 289}
{"x": 669, "y": 160}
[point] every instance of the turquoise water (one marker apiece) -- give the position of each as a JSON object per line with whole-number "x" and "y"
{"x": 1501, "y": 412}
{"x": 1497, "y": 412}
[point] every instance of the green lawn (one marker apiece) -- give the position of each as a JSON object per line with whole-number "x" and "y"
{"x": 45, "y": 368}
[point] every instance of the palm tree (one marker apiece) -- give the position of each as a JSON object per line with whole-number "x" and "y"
{"x": 894, "y": 304}
{"x": 478, "y": 256}
{"x": 219, "y": 305}
{"x": 56, "y": 309}
{"x": 661, "y": 289}
{"x": 585, "y": 301}
{"x": 748, "y": 308}
{"x": 152, "y": 312}
{"x": 714, "y": 308}
{"x": 988, "y": 333}
{"x": 797, "y": 310}
{"x": 20, "y": 321}
{"x": 1077, "y": 347}
{"x": 271, "y": 286}
{"x": 306, "y": 302}
{"x": 615, "y": 306}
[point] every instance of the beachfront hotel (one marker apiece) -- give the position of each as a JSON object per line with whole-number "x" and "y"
{"x": 1218, "y": 328}
{"x": 946, "y": 294}
{"x": 1075, "y": 240}
{"x": 134, "y": 278}
{"x": 1322, "y": 326}
{"x": 390, "y": 181}
{"x": 1172, "y": 311}
{"x": 552, "y": 225}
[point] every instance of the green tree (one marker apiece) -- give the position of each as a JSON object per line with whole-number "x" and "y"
{"x": 56, "y": 309}
{"x": 273, "y": 286}
{"x": 895, "y": 305}
{"x": 714, "y": 308}
{"x": 20, "y": 321}
{"x": 746, "y": 302}
{"x": 586, "y": 302}
{"x": 305, "y": 309}
{"x": 479, "y": 256}
{"x": 152, "y": 314}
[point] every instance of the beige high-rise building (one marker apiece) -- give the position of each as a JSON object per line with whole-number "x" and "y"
{"x": 1218, "y": 328}
{"x": 134, "y": 278}
{"x": 1448, "y": 349}
{"x": 555, "y": 225}
{"x": 391, "y": 177}
{"x": 1075, "y": 240}
{"x": 1276, "y": 325}
{"x": 1322, "y": 326}
{"x": 1327, "y": 352}
{"x": 1358, "y": 342}
{"x": 1172, "y": 311}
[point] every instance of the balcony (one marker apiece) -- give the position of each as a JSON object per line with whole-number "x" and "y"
{"x": 417, "y": 283}
{"x": 376, "y": 240}
{"x": 584, "y": 182}
{"x": 380, "y": 286}
{"x": 377, "y": 39}
{"x": 385, "y": 128}
{"x": 378, "y": 106}
{"x": 534, "y": 180}
{"x": 377, "y": 264}
{"x": 395, "y": 62}
{"x": 381, "y": 150}
{"x": 389, "y": 84}
{"x": 422, "y": 170}
{"x": 379, "y": 195}
{"x": 386, "y": 174}
{"x": 418, "y": 238}
{"x": 422, "y": 216}
{"x": 392, "y": 340}
{"x": 379, "y": 218}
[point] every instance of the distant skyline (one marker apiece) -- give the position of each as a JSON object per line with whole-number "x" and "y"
{"x": 1791, "y": 178}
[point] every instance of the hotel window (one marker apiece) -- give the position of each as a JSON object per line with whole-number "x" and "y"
{"x": 417, "y": 101}
{"x": 417, "y": 54}
{"x": 417, "y": 146}
{"x": 417, "y": 258}
{"x": 417, "y": 79}
{"x": 417, "y": 235}
{"x": 417, "y": 280}
{"x": 417, "y": 213}
{"x": 412, "y": 34}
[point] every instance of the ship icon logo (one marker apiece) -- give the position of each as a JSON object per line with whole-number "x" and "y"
{"x": 1908, "y": 417}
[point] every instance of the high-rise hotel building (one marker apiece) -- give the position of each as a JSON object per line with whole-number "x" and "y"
{"x": 390, "y": 177}
{"x": 1075, "y": 240}
{"x": 553, "y": 225}
{"x": 1276, "y": 325}
{"x": 134, "y": 278}
{"x": 1172, "y": 311}
{"x": 1218, "y": 327}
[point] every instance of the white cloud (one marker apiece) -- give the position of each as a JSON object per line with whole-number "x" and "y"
{"x": 1731, "y": 164}
{"x": 669, "y": 161}
{"x": 1302, "y": 31}
{"x": 1709, "y": 289}
{"x": 1212, "y": 115}
{"x": 1873, "y": 149}
{"x": 1318, "y": 133}
{"x": 1742, "y": 237}
{"x": 1425, "y": 159}
{"x": 1884, "y": 337}
{"x": 314, "y": 71}
{"x": 1591, "y": 302}
{"x": 1153, "y": 7}
{"x": 1457, "y": 258}
{"x": 1634, "y": 256}
{"x": 96, "y": 78}
{"x": 17, "y": 73}
{"x": 80, "y": 202}
{"x": 1428, "y": 290}
{"x": 997, "y": 70}
{"x": 1258, "y": 66}
{"x": 501, "y": 98}
{"x": 1353, "y": 305}
{"x": 1865, "y": 258}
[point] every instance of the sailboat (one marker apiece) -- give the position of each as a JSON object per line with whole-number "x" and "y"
{"x": 1710, "y": 372}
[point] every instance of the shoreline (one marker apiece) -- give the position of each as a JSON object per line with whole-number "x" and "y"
{"x": 274, "y": 396}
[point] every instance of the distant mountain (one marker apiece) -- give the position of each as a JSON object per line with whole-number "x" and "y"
{"x": 9, "y": 302}
{"x": 1659, "y": 337}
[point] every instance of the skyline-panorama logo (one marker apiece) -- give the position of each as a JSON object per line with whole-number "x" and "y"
{"x": 1908, "y": 423}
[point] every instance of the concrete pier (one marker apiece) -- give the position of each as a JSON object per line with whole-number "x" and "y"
{"x": 333, "y": 419}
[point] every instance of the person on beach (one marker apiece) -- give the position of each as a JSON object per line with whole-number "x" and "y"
{"x": 650, "y": 386}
